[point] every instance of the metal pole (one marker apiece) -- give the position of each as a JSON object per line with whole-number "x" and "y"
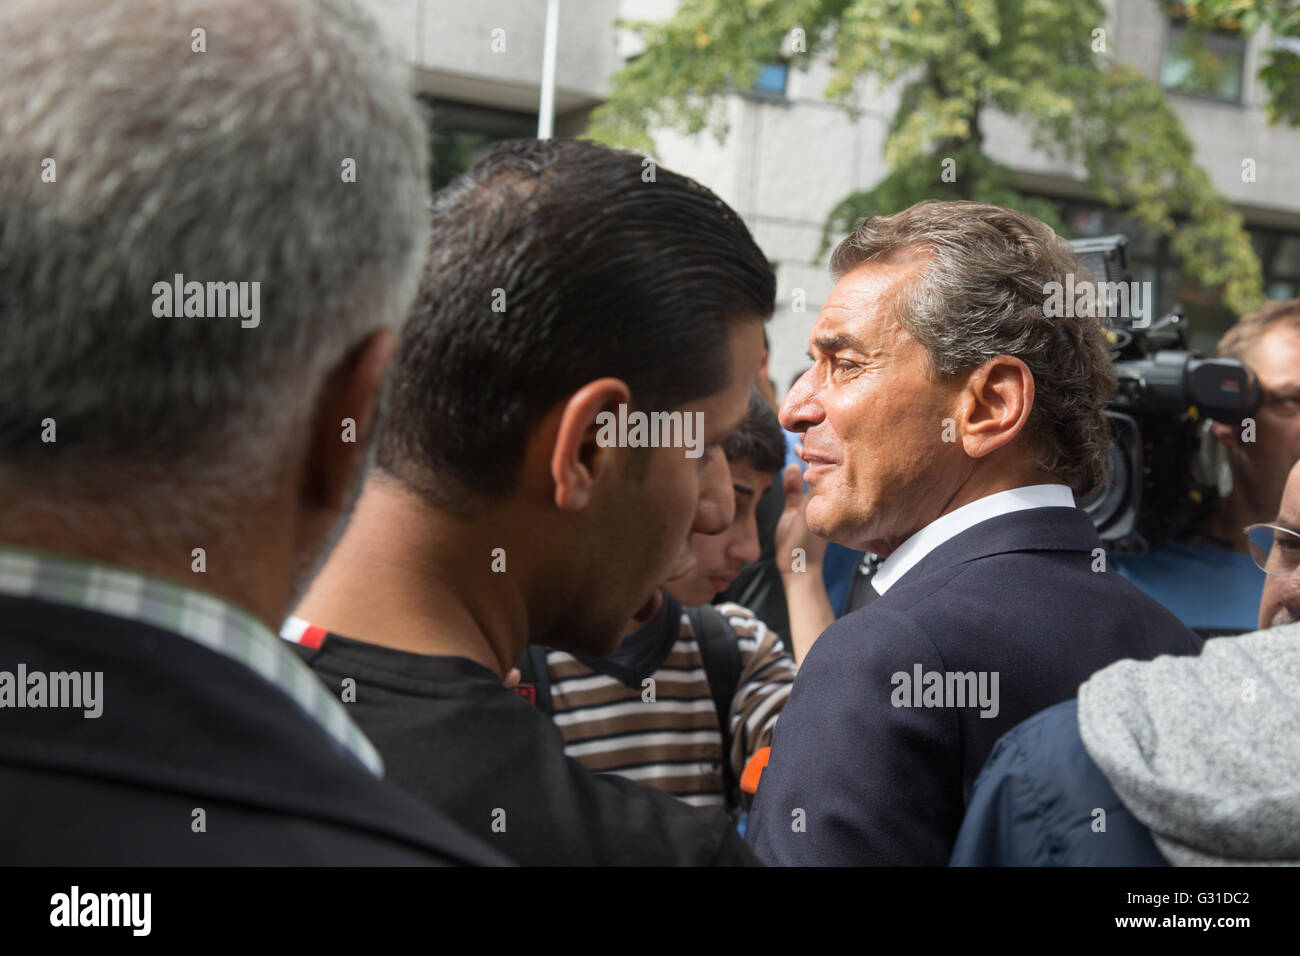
{"x": 546, "y": 110}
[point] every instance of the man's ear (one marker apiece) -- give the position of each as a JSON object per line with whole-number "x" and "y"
{"x": 995, "y": 404}
{"x": 578, "y": 459}
{"x": 345, "y": 415}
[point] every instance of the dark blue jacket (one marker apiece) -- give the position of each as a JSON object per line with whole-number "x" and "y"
{"x": 854, "y": 779}
{"x": 1037, "y": 803}
{"x": 184, "y": 727}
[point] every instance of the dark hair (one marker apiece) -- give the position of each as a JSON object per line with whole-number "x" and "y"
{"x": 759, "y": 442}
{"x": 555, "y": 263}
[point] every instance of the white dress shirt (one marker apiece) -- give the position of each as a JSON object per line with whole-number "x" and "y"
{"x": 941, "y": 529}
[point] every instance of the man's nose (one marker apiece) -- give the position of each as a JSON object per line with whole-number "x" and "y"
{"x": 716, "y": 508}
{"x": 800, "y": 411}
{"x": 746, "y": 548}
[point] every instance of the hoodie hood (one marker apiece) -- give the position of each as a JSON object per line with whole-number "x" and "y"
{"x": 1205, "y": 751}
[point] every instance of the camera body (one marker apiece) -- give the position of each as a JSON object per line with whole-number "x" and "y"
{"x": 1154, "y": 491}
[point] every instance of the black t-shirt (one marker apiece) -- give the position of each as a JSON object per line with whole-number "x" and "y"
{"x": 450, "y": 733}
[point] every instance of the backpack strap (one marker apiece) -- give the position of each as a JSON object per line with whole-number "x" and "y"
{"x": 535, "y": 679}
{"x": 720, "y": 654}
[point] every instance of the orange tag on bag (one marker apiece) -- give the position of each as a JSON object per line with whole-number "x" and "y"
{"x": 754, "y": 770}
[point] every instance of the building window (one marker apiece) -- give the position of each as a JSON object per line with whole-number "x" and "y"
{"x": 1279, "y": 253}
{"x": 1204, "y": 62}
{"x": 461, "y": 133}
{"x": 771, "y": 79}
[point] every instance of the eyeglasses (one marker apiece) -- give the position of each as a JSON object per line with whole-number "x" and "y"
{"x": 1274, "y": 549}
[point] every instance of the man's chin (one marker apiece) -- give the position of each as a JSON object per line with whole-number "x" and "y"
{"x": 821, "y": 520}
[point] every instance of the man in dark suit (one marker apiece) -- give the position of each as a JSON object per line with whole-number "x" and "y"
{"x": 198, "y": 307}
{"x": 949, "y": 419}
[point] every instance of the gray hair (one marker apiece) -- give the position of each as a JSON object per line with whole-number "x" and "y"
{"x": 982, "y": 294}
{"x": 222, "y": 166}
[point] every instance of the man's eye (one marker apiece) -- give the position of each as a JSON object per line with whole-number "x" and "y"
{"x": 1286, "y": 542}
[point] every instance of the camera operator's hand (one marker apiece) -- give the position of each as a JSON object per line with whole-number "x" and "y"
{"x": 805, "y": 591}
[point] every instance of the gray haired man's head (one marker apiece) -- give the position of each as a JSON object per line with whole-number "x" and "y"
{"x": 244, "y": 141}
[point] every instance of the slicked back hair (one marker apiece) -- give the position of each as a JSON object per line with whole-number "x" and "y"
{"x": 556, "y": 263}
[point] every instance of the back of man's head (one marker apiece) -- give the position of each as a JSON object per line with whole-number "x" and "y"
{"x": 558, "y": 263}
{"x": 266, "y": 145}
{"x": 982, "y": 294}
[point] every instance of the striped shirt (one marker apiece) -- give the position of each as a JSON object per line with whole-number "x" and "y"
{"x": 670, "y": 738}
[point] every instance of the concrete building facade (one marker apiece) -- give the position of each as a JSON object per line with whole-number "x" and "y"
{"x": 791, "y": 156}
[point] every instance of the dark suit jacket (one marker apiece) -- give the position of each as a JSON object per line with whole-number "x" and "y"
{"x": 854, "y": 779}
{"x": 185, "y": 728}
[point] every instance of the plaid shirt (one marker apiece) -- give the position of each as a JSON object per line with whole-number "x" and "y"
{"x": 206, "y": 620}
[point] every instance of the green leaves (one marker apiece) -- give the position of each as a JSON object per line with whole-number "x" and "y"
{"x": 1280, "y": 73}
{"x": 1044, "y": 63}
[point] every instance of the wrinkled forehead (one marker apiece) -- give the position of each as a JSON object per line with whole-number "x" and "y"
{"x": 861, "y": 310}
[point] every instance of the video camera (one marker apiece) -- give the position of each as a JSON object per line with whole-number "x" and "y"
{"x": 1155, "y": 491}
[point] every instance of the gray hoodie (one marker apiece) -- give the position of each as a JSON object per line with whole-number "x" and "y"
{"x": 1205, "y": 751}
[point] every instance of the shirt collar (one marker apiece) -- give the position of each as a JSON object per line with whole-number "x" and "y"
{"x": 948, "y": 526}
{"x": 201, "y": 618}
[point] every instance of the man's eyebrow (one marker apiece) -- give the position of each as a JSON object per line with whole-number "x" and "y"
{"x": 833, "y": 343}
{"x": 1289, "y": 525}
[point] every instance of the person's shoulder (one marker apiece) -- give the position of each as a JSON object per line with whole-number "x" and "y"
{"x": 1046, "y": 733}
{"x": 412, "y": 704}
{"x": 736, "y": 613}
{"x": 743, "y": 621}
{"x": 1040, "y": 756}
{"x": 860, "y": 647}
{"x": 1172, "y": 562}
{"x": 1027, "y": 786}
{"x": 885, "y": 624}
{"x": 389, "y": 670}
{"x": 1042, "y": 800}
{"x": 629, "y": 823}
